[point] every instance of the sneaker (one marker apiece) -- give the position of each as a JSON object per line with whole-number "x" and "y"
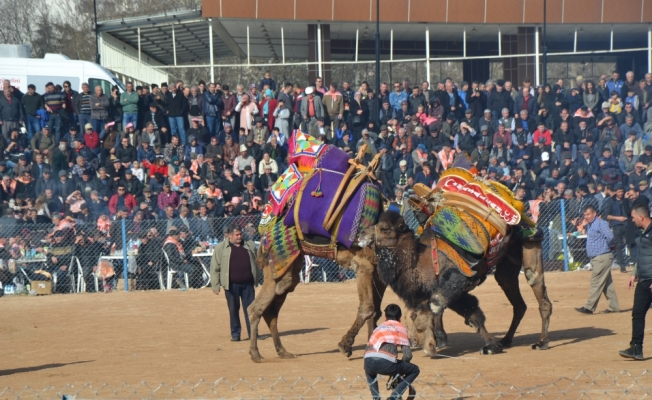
{"x": 635, "y": 351}
{"x": 583, "y": 310}
{"x": 609, "y": 311}
{"x": 235, "y": 339}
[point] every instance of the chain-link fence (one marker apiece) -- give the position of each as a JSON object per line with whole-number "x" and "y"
{"x": 139, "y": 254}
{"x": 584, "y": 385}
{"x": 564, "y": 234}
{"x": 131, "y": 254}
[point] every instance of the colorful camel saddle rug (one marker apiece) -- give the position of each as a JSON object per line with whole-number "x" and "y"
{"x": 281, "y": 246}
{"x": 462, "y": 229}
{"x": 286, "y": 185}
{"x": 304, "y": 150}
{"x": 361, "y": 212}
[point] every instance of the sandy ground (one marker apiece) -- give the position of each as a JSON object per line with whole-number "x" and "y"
{"x": 172, "y": 336}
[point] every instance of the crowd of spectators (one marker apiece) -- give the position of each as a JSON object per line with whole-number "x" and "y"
{"x": 203, "y": 151}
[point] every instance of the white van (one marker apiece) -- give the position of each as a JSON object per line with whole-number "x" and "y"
{"x": 55, "y": 68}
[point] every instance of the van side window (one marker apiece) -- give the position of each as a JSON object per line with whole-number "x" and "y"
{"x": 106, "y": 85}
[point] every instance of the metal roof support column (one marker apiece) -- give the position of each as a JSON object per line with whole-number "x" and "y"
{"x": 500, "y": 41}
{"x": 139, "y": 57}
{"x": 391, "y": 43}
{"x": 357, "y": 34}
{"x": 649, "y": 48}
{"x": 174, "y": 45}
{"x": 427, "y": 53}
{"x": 575, "y": 41}
{"x": 536, "y": 56}
{"x": 319, "y": 49}
{"x": 611, "y": 44}
{"x": 248, "y": 52}
{"x": 282, "y": 45}
{"x": 210, "y": 44}
{"x": 464, "y": 42}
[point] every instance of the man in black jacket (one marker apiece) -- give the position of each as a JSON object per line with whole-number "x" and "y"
{"x": 643, "y": 272}
{"x": 499, "y": 99}
{"x": 177, "y": 113}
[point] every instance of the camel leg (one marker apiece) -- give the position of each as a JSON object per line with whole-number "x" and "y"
{"x": 507, "y": 277}
{"x": 533, "y": 269}
{"x": 378, "y": 293}
{"x": 467, "y": 306}
{"x": 271, "y": 318}
{"x": 370, "y": 292}
{"x": 441, "y": 337}
{"x": 263, "y": 300}
{"x": 266, "y": 296}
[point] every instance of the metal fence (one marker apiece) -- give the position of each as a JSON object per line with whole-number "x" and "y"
{"x": 133, "y": 254}
{"x": 583, "y": 385}
{"x": 126, "y": 255}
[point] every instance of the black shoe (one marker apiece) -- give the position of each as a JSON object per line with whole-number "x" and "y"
{"x": 609, "y": 311}
{"x": 635, "y": 351}
{"x": 584, "y": 310}
{"x": 235, "y": 339}
{"x": 623, "y": 271}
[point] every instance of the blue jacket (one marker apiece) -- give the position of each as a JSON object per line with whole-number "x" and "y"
{"x": 270, "y": 82}
{"x": 213, "y": 104}
{"x": 143, "y": 155}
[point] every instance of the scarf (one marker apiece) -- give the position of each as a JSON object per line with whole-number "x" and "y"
{"x": 389, "y": 332}
{"x": 176, "y": 243}
{"x": 268, "y": 92}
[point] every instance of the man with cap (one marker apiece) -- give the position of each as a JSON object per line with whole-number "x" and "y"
{"x": 58, "y": 257}
{"x": 479, "y": 155}
{"x": 627, "y": 162}
{"x": 607, "y": 161}
{"x": 243, "y": 160}
{"x": 616, "y": 212}
{"x": 233, "y": 267}
{"x": 371, "y": 146}
{"x": 167, "y": 198}
{"x": 311, "y": 107}
{"x": 198, "y": 131}
{"x": 43, "y": 142}
{"x": 646, "y": 157}
{"x": 133, "y": 185}
{"x": 320, "y": 130}
{"x": 173, "y": 248}
{"x": 402, "y": 174}
{"x": 46, "y": 181}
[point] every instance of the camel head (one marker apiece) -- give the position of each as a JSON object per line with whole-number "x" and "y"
{"x": 422, "y": 330}
{"x": 386, "y": 233}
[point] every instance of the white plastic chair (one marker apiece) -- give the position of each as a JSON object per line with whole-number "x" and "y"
{"x": 171, "y": 272}
{"x": 80, "y": 285}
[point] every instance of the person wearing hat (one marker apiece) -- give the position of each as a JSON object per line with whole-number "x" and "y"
{"x": 402, "y": 174}
{"x": 260, "y": 131}
{"x": 311, "y": 108}
{"x": 58, "y": 259}
{"x": 627, "y": 162}
{"x": 46, "y": 181}
{"x": 334, "y": 103}
{"x": 44, "y": 143}
{"x": 465, "y": 139}
{"x": 197, "y": 130}
{"x": 243, "y": 160}
{"x": 173, "y": 248}
{"x": 479, "y": 155}
{"x": 320, "y": 130}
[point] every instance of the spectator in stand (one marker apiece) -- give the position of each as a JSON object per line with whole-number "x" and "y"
{"x": 32, "y": 102}
{"x": 99, "y": 111}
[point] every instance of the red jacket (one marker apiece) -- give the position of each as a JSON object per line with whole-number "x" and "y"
{"x": 92, "y": 141}
{"x": 130, "y": 203}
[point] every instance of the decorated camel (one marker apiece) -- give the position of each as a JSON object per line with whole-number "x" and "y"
{"x": 317, "y": 207}
{"x": 467, "y": 227}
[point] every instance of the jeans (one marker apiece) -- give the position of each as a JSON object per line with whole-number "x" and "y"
{"x": 374, "y": 366}
{"x": 33, "y": 126}
{"x": 129, "y": 117}
{"x": 642, "y": 301}
{"x": 55, "y": 126}
{"x": 213, "y": 125}
{"x": 558, "y": 150}
{"x": 98, "y": 126}
{"x": 239, "y": 292}
{"x": 83, "y": 120}
{"x": 178, "y": 129}
{"x": 619, "y": 234}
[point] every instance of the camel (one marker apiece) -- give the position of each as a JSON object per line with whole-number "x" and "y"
{"x": 273, "y": 293}
{"x": 405, "y": 264}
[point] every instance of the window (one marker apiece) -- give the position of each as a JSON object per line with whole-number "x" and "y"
{"x": 106, "y": 85}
